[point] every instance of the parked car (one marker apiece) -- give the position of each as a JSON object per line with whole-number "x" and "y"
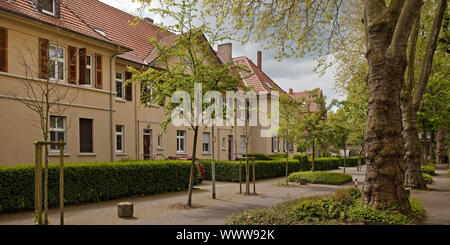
{"x": 200, "y": 167}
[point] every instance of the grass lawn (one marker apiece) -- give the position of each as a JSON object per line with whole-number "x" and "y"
{"x": 343, "y": 207}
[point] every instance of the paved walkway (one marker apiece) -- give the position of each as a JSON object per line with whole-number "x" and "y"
{"x": 159, "y": 209}
{"x": 436, "y": 200}
{"x": 165, "y": 208}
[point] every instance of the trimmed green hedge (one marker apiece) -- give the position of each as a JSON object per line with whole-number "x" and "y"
{"x": 258, "y": 156}
{"x": 321, "y": 177}
{"x": 93, "y": 182}
{"x": 428, "y": 169}
{"x": 351, "y": 161}
{"x": 229, "y": 170}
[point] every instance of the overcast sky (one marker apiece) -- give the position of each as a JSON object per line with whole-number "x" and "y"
{"x": 295, "y": 73}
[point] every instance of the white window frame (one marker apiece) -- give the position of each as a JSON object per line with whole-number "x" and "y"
{"x": 57, "y": 59}
{"x": 224, "y": 147}
{"x": 160, "y": 141}
{"x": 207, "y": 144}
{"x": 122, "y": 135}
{"x": 179, "y": 138}
{"x": 243, "y": 147}
{"x": 53, "y": 13}
{"x": 57, "y": 130}
{"x": 275, "y": 144}
{"x": 90, "y": 68}
{"x": 121, "y": 87}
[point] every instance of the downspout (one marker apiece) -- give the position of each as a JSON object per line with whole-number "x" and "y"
{"x": 111, "y": 95}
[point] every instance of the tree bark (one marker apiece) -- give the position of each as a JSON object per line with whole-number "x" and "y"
{"x": 440, "y": 148}
{"x": 191, "y": 175}
{"x": 387, "y": 31}
{"x": 413, "y": 174}
{"x": 313, "y": 155}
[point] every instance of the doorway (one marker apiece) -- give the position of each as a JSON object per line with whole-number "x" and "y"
{"x": 147, "y": 144}
{"x": 230, "y": 147}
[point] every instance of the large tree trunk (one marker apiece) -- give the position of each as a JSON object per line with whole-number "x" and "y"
{"x": 387, "y": 34}
{"x": 440, "y": 149}
{"x": 413, "y": 174}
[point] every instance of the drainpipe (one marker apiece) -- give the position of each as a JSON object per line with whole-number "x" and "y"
{"x": 111, "y": 97}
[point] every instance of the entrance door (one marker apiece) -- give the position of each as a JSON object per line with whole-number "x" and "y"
{"x": 230, "y": 147}
{"x": 147, "y": 144}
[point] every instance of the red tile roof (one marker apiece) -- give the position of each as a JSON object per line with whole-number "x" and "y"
{"x": 308, "y": 96}
{"x": 116, "y": 25}
{"x": 256, "y": 79}
{"x": 68, "y": 20}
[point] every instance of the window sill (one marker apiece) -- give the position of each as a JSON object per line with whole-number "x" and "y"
{"x": 56, "y": 154}
{"x": 206, "y": 153}
{"x": 160, "y": 148}
{"x": 87, "y": 154}
{"x": 181, "y": 153}
{"x": 120, "y": 100}
{"x": 121, "y": 154}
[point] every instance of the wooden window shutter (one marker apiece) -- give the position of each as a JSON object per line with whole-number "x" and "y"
{"x": 82, "y": 66}
{"x": 98, "y": 71}
{"x": 43, "y": 58}
{"x": 3, "y": 50}
{"x": 129, "y": 87}
{"x": 72, "y": 65}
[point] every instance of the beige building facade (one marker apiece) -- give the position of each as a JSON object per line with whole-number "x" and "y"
{"x": 98, "y": 118}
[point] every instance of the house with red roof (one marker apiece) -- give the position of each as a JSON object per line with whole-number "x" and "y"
{"x": 83, "y": 49}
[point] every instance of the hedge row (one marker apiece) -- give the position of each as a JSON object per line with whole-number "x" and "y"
{"x": 93, "y": 182}
{"x": 229, "y": 170}
{"x": 321, "y": 178}
{"x": 351, "y": 161}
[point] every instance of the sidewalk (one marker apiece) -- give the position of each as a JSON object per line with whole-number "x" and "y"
{"x": 158, "y": 209}
{"x": 436, "y": 200}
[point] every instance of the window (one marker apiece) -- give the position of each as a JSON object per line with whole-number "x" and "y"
{"x": 160, "y": 141}
{"x": 86, "y": 139}
{"x": 119, "y": 138}
{"x": 48, "y": 7}
{"x": 181, "y": 141}
{"x": 243, "y": 144}
{"x": 56, "y": 54}
{"x": 206, "y": 142}
{"x": 285, "y": 146}
{"x": 3, "y": 50}
{"x": 119, "y": 84}
{"x": 57, "y": 131}
{"x": 224, "y": 143}
{"x": 89, "y": 68}
{"x": 275, "y": 144}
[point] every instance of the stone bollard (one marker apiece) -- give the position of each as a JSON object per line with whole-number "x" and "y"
{"x": 302, "y": 181}
{"x": 125, "y": 209}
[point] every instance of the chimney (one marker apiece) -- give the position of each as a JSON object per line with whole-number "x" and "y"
{"x": 225, "y": 52}
{"x": 148, "y": 20}
{"x": 291, "y": 92}
{"x": 260, "y": 60}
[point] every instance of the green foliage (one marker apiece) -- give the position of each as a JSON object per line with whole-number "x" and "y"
{"x": 301, "y": 157}
{"x": 342, "y": 207}
{"x": 321, "y": 177}
{"x": 93, "y": 182}
{"x": 229, "y": 170}
{"x": 258, "y": 156}
{"x": 278, "y": 156}
{"x": 427, "y": 178}
{"x": 428, "y": 169}
{"x": 352, "y": 162}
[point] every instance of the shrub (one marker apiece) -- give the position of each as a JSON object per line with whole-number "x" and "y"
{"x": 309, "y": 210}
{"x": 258, "y": 156}
{"x": 278, "y": 155}
{"x": 339, "y": 208}
{"x": 301, "y": 157}
{"x": 427, "y": 178}
{"x": 93, "y": 182}
{"x": 229, "y": 170}
{"x": 428, "y": 169}
{"x": 351, "y": 161}
{"x": 321, "y": 177}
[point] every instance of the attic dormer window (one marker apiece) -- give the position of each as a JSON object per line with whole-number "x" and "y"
{"x": 268, "y": 84}
{"x": 48, "y": 7}
{"x": 99, "y": 31}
